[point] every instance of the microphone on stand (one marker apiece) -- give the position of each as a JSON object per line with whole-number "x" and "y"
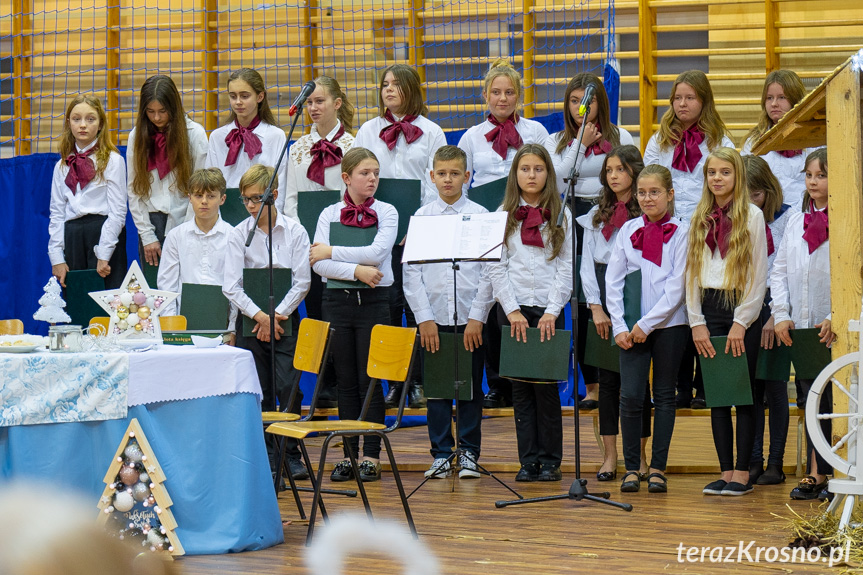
{"x": 307, "y": 90}
{"x": 589, "y": 92}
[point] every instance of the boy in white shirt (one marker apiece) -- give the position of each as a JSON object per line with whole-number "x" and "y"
{"x": 428, "y": 291}
{"x": 194, "y": 252}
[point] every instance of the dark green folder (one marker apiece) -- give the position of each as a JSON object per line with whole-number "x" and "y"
{"x": 256, "y": 284}
{"x": 204, "y": 307}
{"x": 808, "y": 355}
{"x": 233, "y": 211}
{"x": 79, "y": 305}
{"x": 535, "y": 361}
{"x": 490, "y": 195}
{"x": 438, "y": 370}
{"x": 632, "y": 298}
{"x": 726, "y": 378}
{"x": 602, "y": 353}
{"x": 151, "y": 274}
{"x": 349, "y": 237}
{"x": 311, "y": 204}
{"x": 405, "y": 196}
{"x": 774, "y": 364}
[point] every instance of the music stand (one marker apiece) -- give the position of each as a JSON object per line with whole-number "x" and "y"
{"x": 578, "y": 489}
{"x": 473, "y": 238}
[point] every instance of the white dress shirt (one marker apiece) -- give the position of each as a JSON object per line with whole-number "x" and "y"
{"x": 688, "y": 186}
{"x": 105, "y": 196}
{"x": 525, "y": 277}
{"x": 290, "y": 250}
{"x": 345, "y": 260}
{"x": 777, "y": 229}
{"x": 272, "y": 141}
{"x": 713, "y": 276}
{"x": 789, "y": 172}
{"x": 662, "y": 287}
{"x": 164, "y": 196}
{"x": 191, "y": 256}
{"x": 406, "y": 161}
{"x": 800, "y": 283}
{"x": 483, "y": 162}
{"x": 589, "y": 167}
{"x": 429, "y": 287}
{"x": 594, "y": 248}
{"x": 298, "y": 161}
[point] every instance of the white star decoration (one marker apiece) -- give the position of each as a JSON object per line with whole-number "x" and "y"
{"x": 122, "y": 301}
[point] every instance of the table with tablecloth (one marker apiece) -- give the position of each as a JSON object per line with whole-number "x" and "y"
{"x": 200, "y": 411}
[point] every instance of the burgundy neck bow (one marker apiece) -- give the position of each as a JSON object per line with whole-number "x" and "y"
{"x": 598, "y": 148}
{"x": 504, "y": 135}
{"x": 531, "y": 219}
{"x": 816, "y": 228}
{"x": 390, "y": 134}
{"x": 649, "y": 239}
{"x": 325, "y": 153}
{"x": 243, "y": 138}
{"x": 718, "y": 229}
{"x": 616, "y": 221}
{"x": 158, "y": 158}
{"x": 687, "y": 154}
{"x": 81, "y": 169}
{"x": 790, "y": 153}
{"x": 358, "y": 216}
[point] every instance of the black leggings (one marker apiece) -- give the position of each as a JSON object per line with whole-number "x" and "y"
{"x": 826, "y": 406}
{"x": 720, "y": 318}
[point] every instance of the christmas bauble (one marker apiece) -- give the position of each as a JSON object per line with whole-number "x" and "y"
{"x": 122, "y": 312}
{"x": 143, "y": 312}
{"x": 144, "y": 477}
{"x": 140, "y": 491}
{"x": 126, "y": 298}
{"x": 129, "y": 475}
{"x": 133, "y": 319}
{"x": 133, "y": 308}
{"x": 139, "y": 327}
{"x": 139, "y": 298}
{"x": 133, "y": 452}
{"x": 123, "y": 325}
{"x": 123, "y": 501}
{"x": 150, "y": 301}
{"x": 145, "y": 324}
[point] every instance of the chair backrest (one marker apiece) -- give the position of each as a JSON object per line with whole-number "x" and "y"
{"x": 391, "y": 351}
{"x": 11, "y": 327}
{"x": 100, "y": 321}
{"x": 172, "y": 322}
{"x": 312, "y": 337}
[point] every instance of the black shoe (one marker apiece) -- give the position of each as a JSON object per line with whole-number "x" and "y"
{"x": 630, "y": 485}
{"x": 808, "y": 488}
{"x": 416, "y": 399}
{"x": 342, "y": 471}
{"x": 699, "y": 403}
{"x": 528, "y": 472}
{"x": 606, "y": 475}
{"x": 494, "y": 399}
{"x": 370, "y": 471}
{"x": 393, "y": 395}
{"x": 755, "y": 471}
{"x": 825, "y": 495}
{"x": 298, "y": 470}
{"x": 772, "y": 476}
{"x": 588, "y": 404}
{"x": 735, "y": 488}
{"x": 683, "y": 402}
{"x": 715, "y": 487}
{"x": 549, "y": 472}
{"x": 660, "y": 485}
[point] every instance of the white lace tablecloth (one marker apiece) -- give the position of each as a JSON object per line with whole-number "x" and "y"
{"x": 58, "y": 388}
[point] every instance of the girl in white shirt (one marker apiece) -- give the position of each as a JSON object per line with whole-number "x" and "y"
{"x": 314, "y": 161}
{"x": 251, "y": 135}
{"x": 654, "y": 244}
{"x": 163, "y": 150}
{"x": 617, "y": 204}
{"x": 599, "y": 136}
{"x": 766, "y": 193}
{"x": 533, "y": 282}
{"x": 782, "y": 90}
{"x": 88, "y": 197}
{"x": 725, "y": 286}
{"x": 800, "y": 286}
{"x": 354, "y": 312}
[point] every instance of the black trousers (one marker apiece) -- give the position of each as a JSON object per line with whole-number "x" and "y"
{"x": 536, "y": 406}
{"x": 825, "y": 406}
{"x": 775, "y": 394}
{"x": 589, "y": 373}
{"x": 81, "y": 235}
{"x": 720, "y": 318}
{"x": 353, "y": 313}
{"x": 286, "y": 377}
{"x": 491, "y": 335}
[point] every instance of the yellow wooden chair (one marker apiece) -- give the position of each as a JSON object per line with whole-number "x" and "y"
{"x": 172, "y": 322}
{"x": 391, "y": 357}
{"x": 104, "y": 322}
{"x": 11, "y": 327}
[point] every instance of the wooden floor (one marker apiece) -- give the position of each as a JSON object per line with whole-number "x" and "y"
{"x": 469, "y": 535}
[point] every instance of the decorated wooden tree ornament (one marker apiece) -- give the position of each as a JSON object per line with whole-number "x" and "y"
{"x": 135, "y": 504}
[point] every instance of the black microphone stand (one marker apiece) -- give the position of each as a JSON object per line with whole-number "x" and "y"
{"x": 578, "y": 489}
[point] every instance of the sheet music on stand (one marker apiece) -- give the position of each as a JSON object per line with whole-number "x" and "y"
{"x": 475, "y": 237}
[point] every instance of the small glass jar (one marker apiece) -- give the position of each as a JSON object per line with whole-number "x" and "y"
{"x": 65, "y": 338}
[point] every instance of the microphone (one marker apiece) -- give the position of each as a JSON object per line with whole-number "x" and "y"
{"x": 589, "y": 91}
{"x": 307, "y": 90}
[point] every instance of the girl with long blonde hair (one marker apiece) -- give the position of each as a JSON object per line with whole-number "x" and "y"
{"x": 726, "y": 279}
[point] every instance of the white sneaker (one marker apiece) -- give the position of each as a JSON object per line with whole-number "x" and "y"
{"x": 440, "y": 469}
{"x": 468, "y": 466}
